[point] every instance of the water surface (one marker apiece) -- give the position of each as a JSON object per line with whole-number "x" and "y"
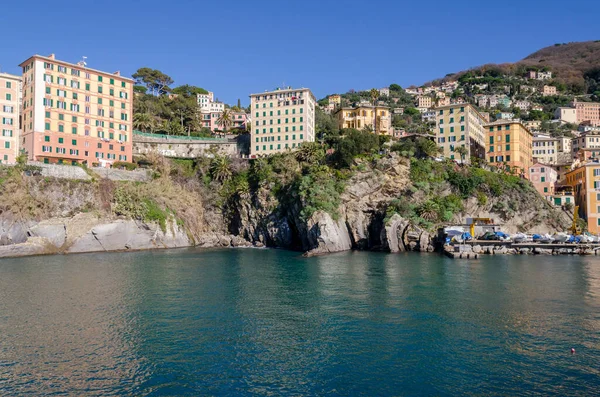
{"x": 266, "y": 322}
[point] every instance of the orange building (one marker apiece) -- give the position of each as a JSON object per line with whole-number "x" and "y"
{"x": 585, "y": 181}
{"x": 510, "y": 144}
{"x": 73, "y": 114}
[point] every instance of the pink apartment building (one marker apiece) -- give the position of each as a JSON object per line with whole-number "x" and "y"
{"x": 210, "y": 120}
{"x": 587, "y": 112}
{"x": 543, "y": 178}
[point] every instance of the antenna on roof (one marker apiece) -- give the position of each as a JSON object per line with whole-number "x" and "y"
{"x": 82, "y": 62}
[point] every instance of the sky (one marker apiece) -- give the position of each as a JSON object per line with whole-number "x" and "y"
{"x": 236, "y": 48}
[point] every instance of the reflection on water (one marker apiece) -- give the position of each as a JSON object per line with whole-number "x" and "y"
{"x": 245, "y": 322}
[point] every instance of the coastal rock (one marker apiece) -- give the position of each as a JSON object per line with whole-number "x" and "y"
{"x": 392, "y": 236}
{"x": 324, "y": 235}
{"x": 477, "y": 249}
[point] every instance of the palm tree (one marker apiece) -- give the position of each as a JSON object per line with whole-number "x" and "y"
{"x": 310, "y": 152}
{"x": 374, "y": 93}
{"x": 428, "y": 147}
{"x": 143, "y": 121}
{"x": 220, "y": 168}
{"x": 225, "y": 120}
{"x": 462, "y": 151}
{"x": 429, "y": 211}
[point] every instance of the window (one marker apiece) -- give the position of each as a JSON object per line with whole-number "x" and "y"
{"x": 441, "y": 130}
{"x": 545, "y": 189}
{"x": 491, "y": 129}
{"x": 61, "y": 128}
{"x": 8, "y": 84}
{"x": 100, "y": 78}
{"x": 8, "y": 97}
{"x": 112, "y": 81}
{"x": 46, "y": 149}
{"x": 507, "y": 147}
{"x": 491, "y": 140}
{"x": 99, "y": 89}
{"x": 7, "y": 145}
{"x": 451, "y": 129}
{"x": 507, "y": 158}
{"x": 74, "y": 130}
{"x": 123, "y": 84}
{"x": 543, "y": 179}
{"x": 46, "y": 138}
{"x": 507, "y": 127}
{"x": 74, "y": 142}
{"x": 87, "y": 87}
{"x": 60, "y": 140}
{"x": 47, "y": 127}
{"x": 74, "y": 119}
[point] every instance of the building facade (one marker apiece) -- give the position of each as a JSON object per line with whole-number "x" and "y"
{"x": 282, "y": 119}
{"x": 566, "y": 115}
{"x": 548, "y": 90}
{"x": 365, "y": 115}
{"x": 587, "y": 112}
{"x": 460, "y": 125}
{"x": 424, "y": 102}
{"x": 545, "y": 149}
{"x": 585, "y": 181}
{"x": 585, "y": 141}
{"x": 10, "y": 107}
{"x": 74, "y": 114}
{"x": 510, "y": 144}
{"x": 543, "y": 179}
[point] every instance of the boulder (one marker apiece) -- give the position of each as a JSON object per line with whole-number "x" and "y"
{"x": 326, "y": 235}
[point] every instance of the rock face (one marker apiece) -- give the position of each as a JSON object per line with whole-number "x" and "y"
{"x": 363, "y": 220}
{"x": 87, "y": 233}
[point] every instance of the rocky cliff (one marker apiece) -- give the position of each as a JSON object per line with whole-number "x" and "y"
{"x": 46, "y": 215}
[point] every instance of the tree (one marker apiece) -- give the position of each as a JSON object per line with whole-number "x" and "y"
{"x": 225, "y": 120}
{"x": 220, "y": 168}
{"x": 310, "y": 153}
{"x": 155, "y": 81}
{"x": 395, "y": 87}
{"x": 185, "y": 109}
{"x": 427, "y": 147}
{"x": 143, "y": 121}
{"x": 462, "y": 151}
{"x": 188, "y": 90}
{"x": 140, "y": 89}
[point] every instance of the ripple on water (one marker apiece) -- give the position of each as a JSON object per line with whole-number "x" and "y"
{"x": 187, "y": 322}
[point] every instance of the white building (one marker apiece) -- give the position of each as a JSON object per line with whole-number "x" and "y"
{"x": 282, "y": 120}
{"x": 566, "y": 115}
{"x": 384, "y": 91}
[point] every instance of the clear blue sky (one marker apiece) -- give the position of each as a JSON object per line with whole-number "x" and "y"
{"x": 235, "y": 48}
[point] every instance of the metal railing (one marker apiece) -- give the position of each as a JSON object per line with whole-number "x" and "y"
{"x": 181, "y": 137}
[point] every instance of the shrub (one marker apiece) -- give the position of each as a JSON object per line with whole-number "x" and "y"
{"x": 124, "y": 165}
{"x": 319, "y": 190}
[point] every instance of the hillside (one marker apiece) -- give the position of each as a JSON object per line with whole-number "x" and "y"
{"x": 574, "y": 65}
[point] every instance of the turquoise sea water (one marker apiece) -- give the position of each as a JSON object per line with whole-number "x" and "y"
{"x": 267, "y": 322}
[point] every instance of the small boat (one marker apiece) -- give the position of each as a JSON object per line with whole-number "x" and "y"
{"x": 560, "y": 237}
{"x": 591, "y": 237}
{"x": 542, "y": 238}
{"x": 521, "y": 238}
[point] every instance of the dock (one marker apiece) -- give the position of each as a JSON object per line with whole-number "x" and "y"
{"x": 474, "y": 248}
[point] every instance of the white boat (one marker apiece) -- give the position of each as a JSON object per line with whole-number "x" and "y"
{"x": 560, "y": 237}
{"x": 590, "y": 237}
{"x": 521, "y": 238}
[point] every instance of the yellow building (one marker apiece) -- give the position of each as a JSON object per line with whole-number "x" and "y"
{"x": 585, "y": 181}
{"x": 10, "y": 102}
{"x": 74, "y": 114}
{"x": 424, "y": 102}
{"x": 510, "y": 144}
{"x": 335, "y": 100}
{"x": 460, "y": 125}
{"x": 366, "y": 115}
{"x": 282, "y": 120}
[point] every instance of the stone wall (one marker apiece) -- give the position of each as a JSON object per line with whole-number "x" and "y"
{"x": 62, "y": 171}
{"x": 180, "y": 148}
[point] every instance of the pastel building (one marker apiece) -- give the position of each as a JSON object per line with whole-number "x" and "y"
{"x": 585, "y": 181}
{"x": 548, "y": 90}
{"x": 74, "y": 114}
{"x": 545, "y": 149}
{"x": 566, "y": 115}
{"x": 211, "y": 120}
{"x": 543, "y": 178}
{"x": 510, "y": 144}
{"x": 283, "y": 119}
{"x": 460, "y": 125}
{"x": 366, "y": 115}
{"x": 586, "y": 141}
{"x": 587, "y": 112}
{"x": 424, "y": 102}
{"x": 10, "y": 103}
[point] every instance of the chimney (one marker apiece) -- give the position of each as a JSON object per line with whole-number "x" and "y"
{"x": 117, "y": 73}
{"x": 51, "y": 56}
